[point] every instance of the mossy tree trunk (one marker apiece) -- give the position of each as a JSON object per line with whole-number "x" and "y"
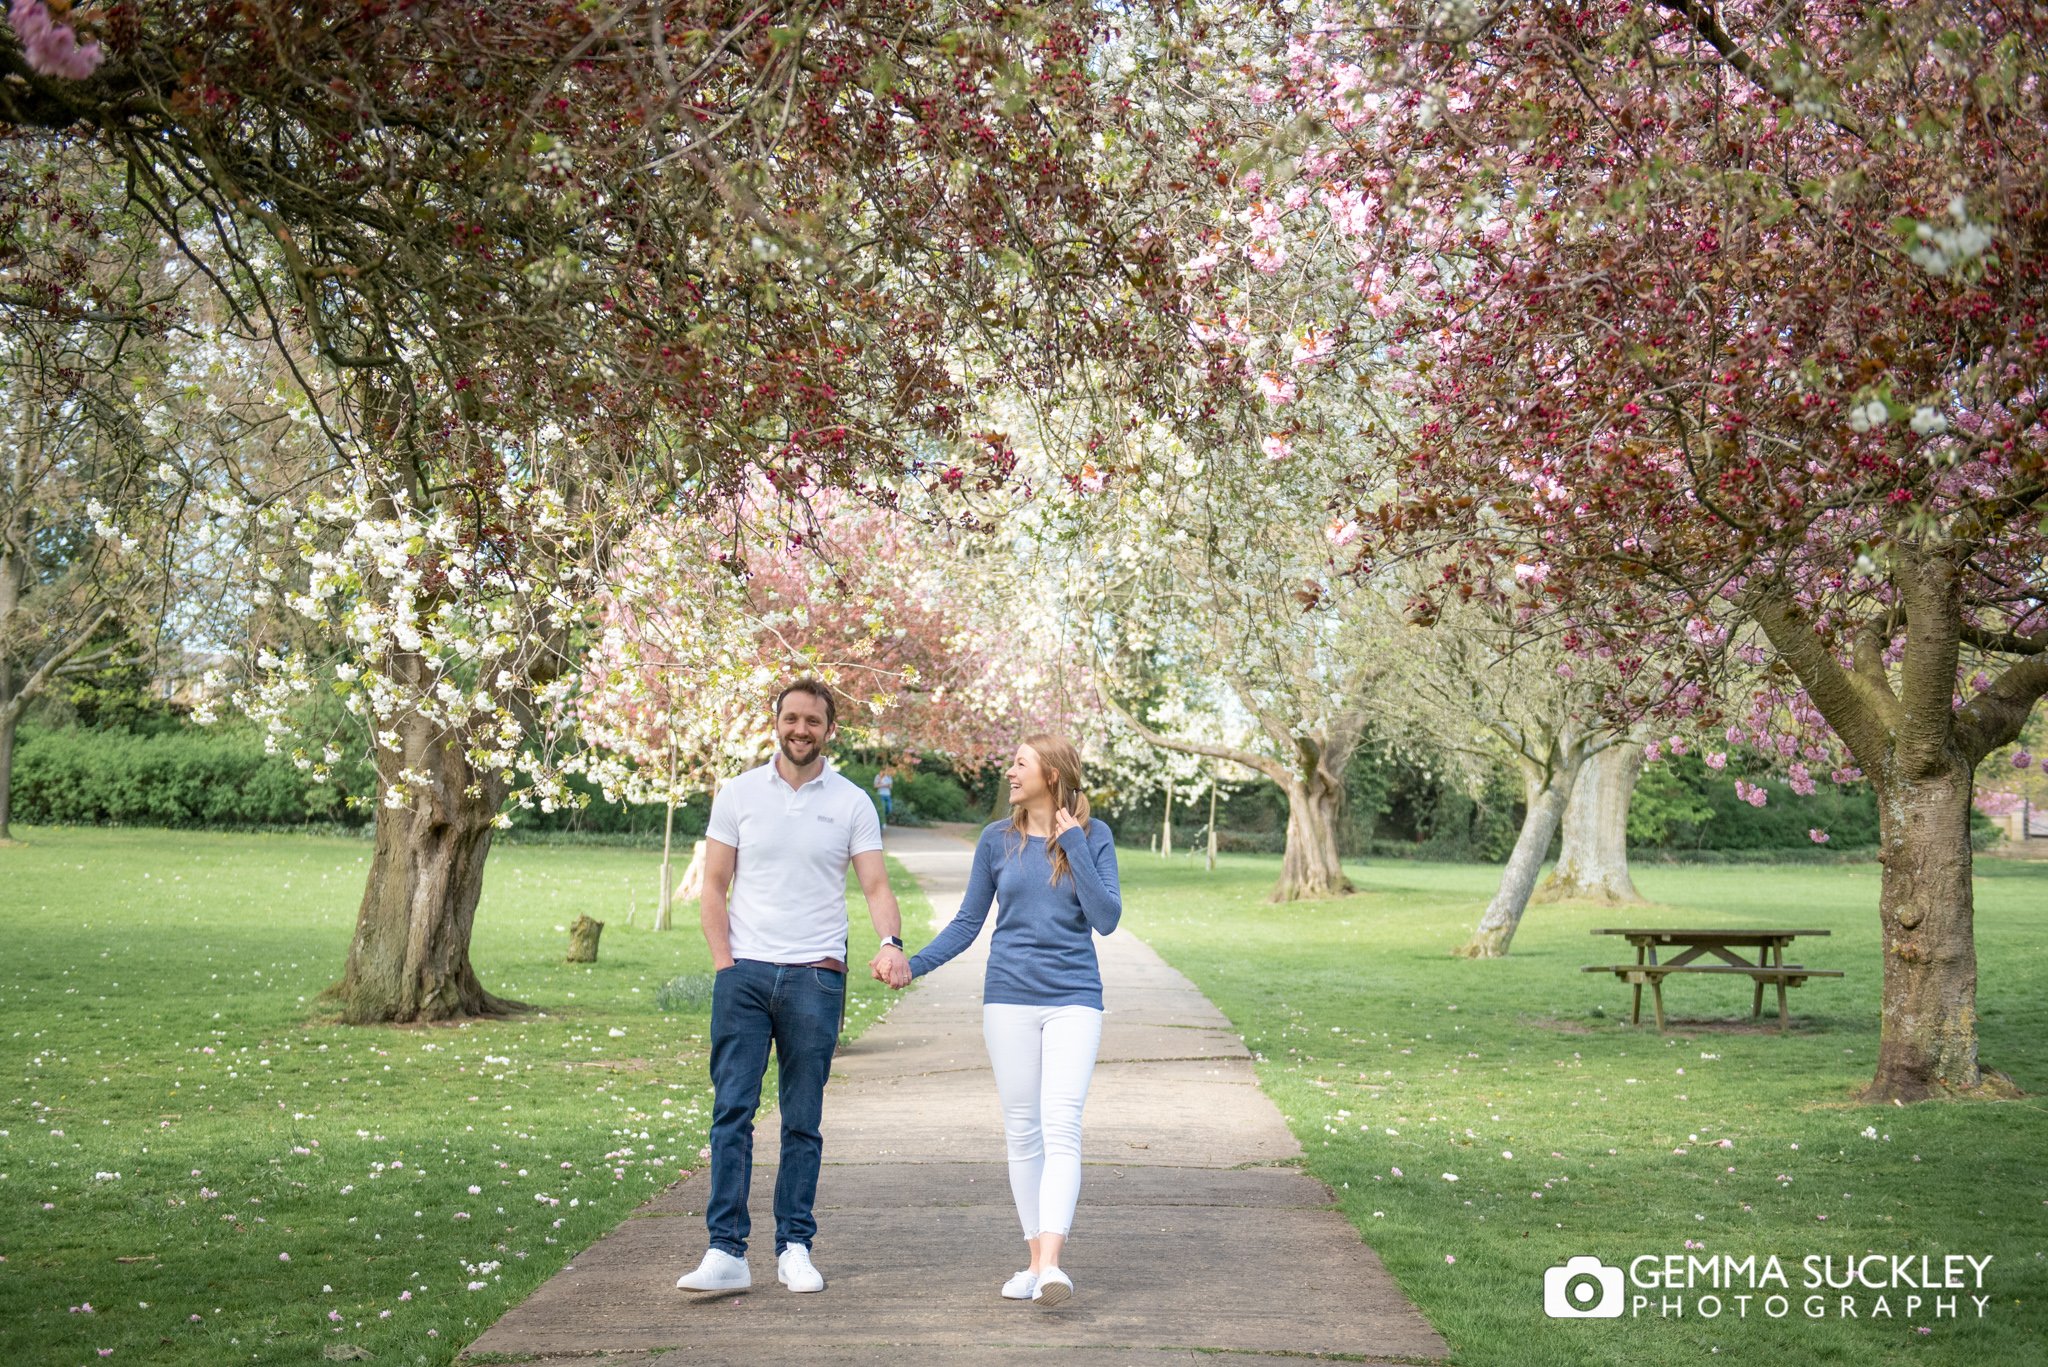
{"x": 409, "y": 960}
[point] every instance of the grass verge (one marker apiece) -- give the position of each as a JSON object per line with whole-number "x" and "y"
{"x": 194, "y": 1171}
{"x": 1481, "y": 1122}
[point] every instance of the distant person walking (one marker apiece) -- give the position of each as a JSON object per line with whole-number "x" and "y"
{"x": 1054, "y": 871}
{"x": 885, "y": 789}
{"x": 774, "y": 913}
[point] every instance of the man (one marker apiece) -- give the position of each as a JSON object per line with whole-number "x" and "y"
{"x": 885, "y": 789}
{"x": 774, "y": 914}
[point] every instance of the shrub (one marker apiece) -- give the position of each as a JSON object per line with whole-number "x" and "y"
{"x": 182, "y": 777}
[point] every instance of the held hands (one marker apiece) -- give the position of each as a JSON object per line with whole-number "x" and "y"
{"x": 891, "y": 967}
{"x": 1062, "y": 822}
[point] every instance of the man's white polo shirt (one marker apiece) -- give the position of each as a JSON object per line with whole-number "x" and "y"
{"x": 788, "y": 898}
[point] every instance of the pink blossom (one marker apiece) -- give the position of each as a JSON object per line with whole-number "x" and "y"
{"x": 1263, "y": 220}
{"x": 1277, "y": 389}
{"x": 1995, "y": 804}
{"x": 1352, "y": 214}
{"x": 2021, "y": 759}
{"x": 1092, "y": 480}
{"x": 1535, "y": 573}
{"x": 1817, "y": 835}
{"x": 1342, "y": 532}
{"x": 1717, "y": 759}
{"x": 1266, "y": 257}
{"x": 52, "y": 49}
{"x": 1315, "y": 345}
{"x": 334, "y": 1315}
{"x": 1276, "y": 447}
{"x": 1296, "y": 197}
{"x": 1653, "y": 752}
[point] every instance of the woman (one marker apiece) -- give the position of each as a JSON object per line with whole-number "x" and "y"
{"x": 1054, "y": 871}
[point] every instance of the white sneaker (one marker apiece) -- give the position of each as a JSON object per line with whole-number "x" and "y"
{"x": 719, "y": 1271}
{"x": 1020, "y": 1287}
{"x": 793, "y": 1269}
{"x": 1054, "y": 1286}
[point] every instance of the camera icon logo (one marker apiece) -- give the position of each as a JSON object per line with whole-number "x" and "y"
{"x": 1583, "y": 1289}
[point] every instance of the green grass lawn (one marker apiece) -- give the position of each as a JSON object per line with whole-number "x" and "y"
{"x": 221, "y": 1180}
{"x": 1570, "y": 1132}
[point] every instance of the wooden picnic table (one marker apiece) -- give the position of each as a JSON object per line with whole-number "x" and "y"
{"x": 1724, "y": 944}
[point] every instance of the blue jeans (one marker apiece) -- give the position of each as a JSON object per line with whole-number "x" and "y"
{"x": 798, "y": 1010}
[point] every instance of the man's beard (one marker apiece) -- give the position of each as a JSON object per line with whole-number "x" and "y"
{"x": 800, "y": 760}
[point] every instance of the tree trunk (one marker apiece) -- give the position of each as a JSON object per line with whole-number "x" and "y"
{"x": 409, "y": 960}
{"x": 1166, "y": 823}
{"x": 1212, "y": 825}
{"x": 1927, "y": 1039}
{"x": 9, "y": 719}
{"x": 1592, "y": 866}
{"x": 1310, "y": 868}
{"x": 1546, "y": 803}
{"x": 668, "y": 841}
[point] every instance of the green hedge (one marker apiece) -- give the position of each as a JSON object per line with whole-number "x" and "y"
{"x": 922, "y": 795}
{"x": 186, "y": 777}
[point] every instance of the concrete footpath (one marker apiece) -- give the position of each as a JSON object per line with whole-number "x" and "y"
{"x": 1196, "y": 1232}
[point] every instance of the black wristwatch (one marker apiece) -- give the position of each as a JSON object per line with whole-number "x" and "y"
{"x": 891, "y": 942}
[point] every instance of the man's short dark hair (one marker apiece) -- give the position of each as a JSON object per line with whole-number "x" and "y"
{"x": 817, "y": 689}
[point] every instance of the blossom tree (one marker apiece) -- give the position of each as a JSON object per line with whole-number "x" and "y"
{"x": 117, "y": 385}
{"x": 1728, "y": 317}
{"x": 1176, "y": 582}
{"x": 546, "y": 268}
{"x": 1476, "y": 683}
{"x": 696, "y": 630}
{"x": 672, "y": 695}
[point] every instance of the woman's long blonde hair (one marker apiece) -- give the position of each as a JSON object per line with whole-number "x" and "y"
{"x": 1062, "y": 765}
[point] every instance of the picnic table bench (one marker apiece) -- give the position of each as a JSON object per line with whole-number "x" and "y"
{"x": 1768, "y": 965}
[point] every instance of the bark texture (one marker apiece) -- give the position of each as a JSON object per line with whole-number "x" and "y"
{"x": 1920, "y": 751}
{"x": 1592, "y": 864}
{"x": 9, "y": 719}
{"x": 1546, "y": 802}
{"x": 409, "y": 960}
{"x": 1311, "y": 866}
{"x": 1927, "y": 1041}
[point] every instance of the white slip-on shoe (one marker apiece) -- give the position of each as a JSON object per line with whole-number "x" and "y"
{"x": 793, "y": 1269}
{"x": 1020, "y": 1287}
{"x": 719, "y": 1271}
{"x": 1054, "y": 1286}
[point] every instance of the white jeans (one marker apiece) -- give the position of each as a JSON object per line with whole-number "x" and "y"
{"x": 1043, "y": 1058}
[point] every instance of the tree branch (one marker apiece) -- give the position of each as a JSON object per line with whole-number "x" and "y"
{"x": 1272, "y": 769}
{"x": 1862, "y": 714}
{"x": 1995, "y": 716}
